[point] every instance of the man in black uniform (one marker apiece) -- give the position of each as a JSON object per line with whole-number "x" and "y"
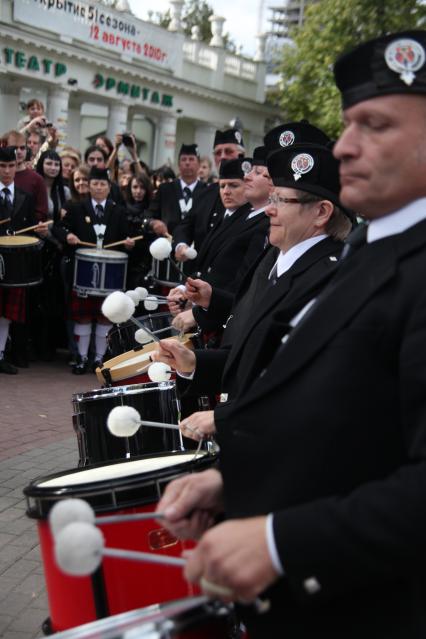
{"x": 174, "y": 200}
{"x": 323, "y": 460}
{"x": 17, "y": 211}
{"x": 209, "y": 209}
{"x": 98, "y": 219}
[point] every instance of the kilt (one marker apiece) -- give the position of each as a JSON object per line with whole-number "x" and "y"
{"x": 86, "y": 309}
{"x": 13, "y": 304}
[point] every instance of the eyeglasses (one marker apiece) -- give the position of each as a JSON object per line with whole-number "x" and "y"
{"x": 281, "y": 201}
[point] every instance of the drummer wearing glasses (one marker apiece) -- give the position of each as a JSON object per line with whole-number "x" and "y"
{"x": 97, "y": 220}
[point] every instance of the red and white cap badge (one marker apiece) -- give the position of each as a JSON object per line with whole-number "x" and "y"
{"x": 405, "y": 56}
{"x": 301, "y": 164}
{"x": 286, "y": 138}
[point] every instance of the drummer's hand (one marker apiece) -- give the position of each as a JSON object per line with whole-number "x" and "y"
{"x": 72, "y": 239}
{"x": 184, "y": 321}
{"x": 199, "y": 425}
{"x": 175, "y": 300}
{"x": 190, "y": 503}
{"x": 199, "y": 292}
{"x": 129, "y": 243}
{"x": 180, "y": 253}
{"x": 178, "y": 356}
{"x": 234, "y": 555}
{"x": 158, "y": 227}
{"x": 42, "y": 229}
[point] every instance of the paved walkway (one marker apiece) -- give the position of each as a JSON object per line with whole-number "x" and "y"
{"x": 36, "y": 438}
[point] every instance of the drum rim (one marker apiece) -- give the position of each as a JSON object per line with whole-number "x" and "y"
{"x": 178, "y": 611}
{"x": 112, "y": 255}
{"x": 34, "y": 489}
{"x": 125, "y": 389}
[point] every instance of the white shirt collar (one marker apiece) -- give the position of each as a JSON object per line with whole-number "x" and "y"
{"x": 286, "y": 260}
{"x": 229, "y": 212}
{"x": 398, "y": 221}
{"x": 255, "y": 212}
{"x": 184, "y": 185}
{"x": 103, "y": 204}
{"x": 11, "y": 188}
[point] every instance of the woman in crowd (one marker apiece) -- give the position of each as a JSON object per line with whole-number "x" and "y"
{"x": 70, "y": 161}
{"x": 48, "y": 329}
{"x": 79, "y": 183}
{"x": 138, "y": 197}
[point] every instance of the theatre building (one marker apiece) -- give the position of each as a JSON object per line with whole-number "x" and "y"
{"x": 101, "y": 70}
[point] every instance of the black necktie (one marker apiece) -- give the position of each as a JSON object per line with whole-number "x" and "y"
{"x": 7, "y": 200}
{"x": 354, "y": 241}
{"x": 187, "y": 194}
{"x": 99, "y": 209}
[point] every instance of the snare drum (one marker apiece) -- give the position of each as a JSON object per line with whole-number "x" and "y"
{"x": 132, "y": 367}
{"x": 155, "y": 402}
{"x": 121, "y": 337}
{"x": 20, "y": 260}
{"x": 190, "y": 618}
{"x": 99, "y": 272}
{"x": 123, "y": 487}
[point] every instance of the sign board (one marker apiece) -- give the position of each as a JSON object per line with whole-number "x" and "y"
{"x": 97, "y": 25}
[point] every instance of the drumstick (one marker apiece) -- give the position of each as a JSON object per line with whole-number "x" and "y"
{"x": 31, "y": 228}
{"x": 139, "y": 325}
{"x": 145, "y": 422}
{"x": 118, "y": 519}
{"x": 5, "y": 221}
{"x": 87, "y": 244}
{"x": 135, "y": 239}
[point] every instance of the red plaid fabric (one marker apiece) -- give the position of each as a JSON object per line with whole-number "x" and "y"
{"x": 86, "y": 309}
{"x": 13, "y": 304}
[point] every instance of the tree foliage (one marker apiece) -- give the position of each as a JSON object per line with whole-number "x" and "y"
{"x": 331, "y": 27}
{"x": 196, "y": 13}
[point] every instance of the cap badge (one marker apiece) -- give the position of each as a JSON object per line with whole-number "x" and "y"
{"x": 405, "y": 57}
{"x": 238, "y": 137}
{"x": 286, "y": 138}
{"x": 301, "y": 164}
{"x": 246, "y": 167}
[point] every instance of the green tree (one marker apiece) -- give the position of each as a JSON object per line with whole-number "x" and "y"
{"x": 196, "y": 13}
{"x": 307, "y": 88}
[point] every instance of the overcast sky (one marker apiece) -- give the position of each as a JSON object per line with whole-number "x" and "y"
{"x": 241, "y": 17}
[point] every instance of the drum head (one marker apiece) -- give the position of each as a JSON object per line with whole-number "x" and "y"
{"x": 18, "y": 240}
{"x": 101, "y": 253}
{"x": 119, "y": 471}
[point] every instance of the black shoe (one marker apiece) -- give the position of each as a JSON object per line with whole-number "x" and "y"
{"x": 96, "y": 364}
{"x": 81, "y": 367}
{"x": 19, "y": 360}
{"x": 7, "y": 368}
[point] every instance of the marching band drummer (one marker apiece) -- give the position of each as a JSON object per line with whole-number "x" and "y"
{"x": 323, "y": 459}
{"x": 98, "y": 220}
{"x": 307, "y": 229}
{"x": 19, "y": 207}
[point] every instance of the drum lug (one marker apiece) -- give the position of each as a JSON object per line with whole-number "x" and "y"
{"x": 106, "y": 374}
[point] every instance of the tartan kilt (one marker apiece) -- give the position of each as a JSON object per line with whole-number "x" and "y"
{"x": 86, "y": 309}
{"x": 13, "y": 303}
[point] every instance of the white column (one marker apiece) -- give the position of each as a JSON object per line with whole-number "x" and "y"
{"x": 9, "y": 104}
{"x": 204, "y": 137}
{"x": 57, "y": 110}
{"x": 117, "y": 119}
{"x": 74, "y": 125}
{"x": 166, "y": 141}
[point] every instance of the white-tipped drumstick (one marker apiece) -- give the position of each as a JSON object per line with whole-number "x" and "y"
{"x": 125, "y": 421}
{"x": 80, "y": 546}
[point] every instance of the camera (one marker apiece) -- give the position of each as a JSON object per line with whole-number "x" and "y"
{"x": 127, "y": 139}
{"x": 49, "y": 124}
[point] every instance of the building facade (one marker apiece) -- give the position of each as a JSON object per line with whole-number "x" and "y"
{"x": 100, "y": 70}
